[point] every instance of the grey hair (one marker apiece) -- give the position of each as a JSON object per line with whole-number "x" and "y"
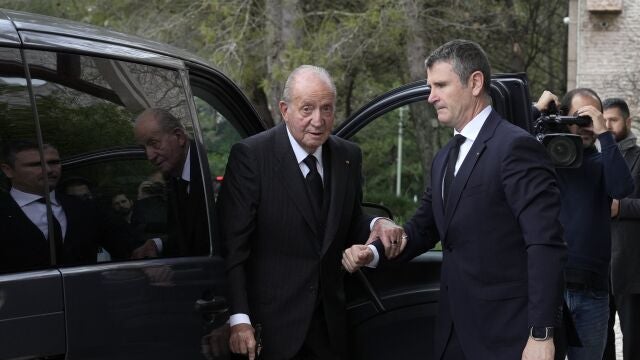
{"x": 321, "y": 72}
{"x": 465, "y": 57}
{"x": 166, "y": 120}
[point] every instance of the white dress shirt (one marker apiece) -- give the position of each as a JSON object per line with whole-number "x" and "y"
{"x": 37, "y": 211}
{"x": 470, "y": 132}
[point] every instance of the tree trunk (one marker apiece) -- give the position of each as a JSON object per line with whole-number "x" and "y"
{"x": 424, "y": 127}
{"x": 283, "y": 30}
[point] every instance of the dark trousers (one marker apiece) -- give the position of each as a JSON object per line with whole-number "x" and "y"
{"x": 628, "y": 308}
{"x": 317, "y": 345}
{"x": 453, "y": 350}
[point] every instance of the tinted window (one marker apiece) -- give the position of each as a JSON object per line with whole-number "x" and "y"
{"x": 86, "y": 108}
{"x": 23, "y": 220}
{"x": 380, "y": 142}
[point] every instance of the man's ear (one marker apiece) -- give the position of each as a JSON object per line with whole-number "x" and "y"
{"x": 476, "y": 80}
{"x": 7, "y": 170}
{"x": 627, "y": 122}
{"x": 284, "y": 108}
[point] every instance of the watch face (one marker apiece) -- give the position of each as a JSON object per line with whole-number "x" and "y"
{"x": 541, "y": 333}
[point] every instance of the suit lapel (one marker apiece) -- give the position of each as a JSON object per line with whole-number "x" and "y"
{"x": 468, "y": 165}
{"x": 17, "y": 219}
{"x": 339, "y": 173}
{"x": 290, "y": 175}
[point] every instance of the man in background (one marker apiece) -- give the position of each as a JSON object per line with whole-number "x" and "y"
{"x": 625, "y": 240}
{"x": 76, "y": 226}
{"x": 587, "y": 192}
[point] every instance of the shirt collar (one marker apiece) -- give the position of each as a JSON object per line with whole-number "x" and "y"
{"x": 186, "y": 169}
{"x": 23, "y": 198}
{"x": 472, "y": 129}
{"x": 301, "y": 153}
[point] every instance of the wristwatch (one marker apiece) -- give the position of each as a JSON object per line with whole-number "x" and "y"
{"x": 540, "y": 333}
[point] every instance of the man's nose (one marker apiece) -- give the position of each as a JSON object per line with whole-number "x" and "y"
{"x": 316, "y": 118}
{"x": 432, "y": 97}
{"x": 151, "y": 154}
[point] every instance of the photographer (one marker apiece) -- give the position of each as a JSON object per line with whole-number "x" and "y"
{"x": 587, "y": 192}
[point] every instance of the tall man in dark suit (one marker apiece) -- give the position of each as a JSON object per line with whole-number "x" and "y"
{"x": 169, "y": 148}
{"x": 494, "y": 204}
{"x": 289, "y": 205}
{"x": 76, "y": 227}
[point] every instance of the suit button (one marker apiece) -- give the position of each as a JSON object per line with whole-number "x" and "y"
{"x": 312, "y": 289}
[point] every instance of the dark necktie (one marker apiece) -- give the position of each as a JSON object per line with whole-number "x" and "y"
{"x": 314, "y": 181}
{"x": 182, "y": 197}
{"x": 451, "y": 165}
{"x": 57, "y": 235}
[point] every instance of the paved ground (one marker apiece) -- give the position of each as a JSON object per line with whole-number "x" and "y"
{"x": 618, "y": 340}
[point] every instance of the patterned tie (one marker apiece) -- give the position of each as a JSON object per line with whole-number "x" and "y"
{"x": 57, "y": 235}
{"x": 451, "y": 165}
{"x": 314, "y": 181}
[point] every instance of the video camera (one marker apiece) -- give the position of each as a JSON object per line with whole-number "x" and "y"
{"x": 563, "y": 147}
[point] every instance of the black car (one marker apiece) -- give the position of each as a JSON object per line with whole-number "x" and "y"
{"x": 80, "y": 87}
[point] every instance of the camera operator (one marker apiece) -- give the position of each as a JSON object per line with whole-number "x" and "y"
{"x": 586, "y": 194}
{"x": 625, "y": 247}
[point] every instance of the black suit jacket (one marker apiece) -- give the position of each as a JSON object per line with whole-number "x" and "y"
{"x": 503, "y": 252}
{"x": 24, "y": 247}
{"x": 188, "y": 226}
{"x": 625, "y": 229}
{"x": 281, "y": 261}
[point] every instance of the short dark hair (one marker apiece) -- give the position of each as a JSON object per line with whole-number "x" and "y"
{"x": 13, "y": 147}
{"x": 617, "y": 103}
{"x": 465, "y": 57}
{"x": 565, "y": 104}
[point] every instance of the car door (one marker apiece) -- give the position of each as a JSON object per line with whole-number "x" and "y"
{"x": 392, "y": 311}
{"x": 87, "y": 90}
{"x": 31, "y": 298}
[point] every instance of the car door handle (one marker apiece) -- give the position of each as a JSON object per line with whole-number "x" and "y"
{"x": 217, "y": 305}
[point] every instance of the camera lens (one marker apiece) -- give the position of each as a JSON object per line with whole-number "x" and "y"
{"x": 562, "y": 151}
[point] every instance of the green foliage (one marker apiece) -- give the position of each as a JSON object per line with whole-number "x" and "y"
{"x": 379, "y": 145}
{"x": 363, "y": 43}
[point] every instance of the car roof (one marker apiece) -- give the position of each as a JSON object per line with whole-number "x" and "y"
{"x": 18, "y": 27}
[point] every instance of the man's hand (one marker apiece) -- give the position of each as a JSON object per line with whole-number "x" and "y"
{"x": 546, "y": 98}
{"x": 539, "y": 350}
{"x": 392, "y": 236}
{"x": 356, "y": 257}
{"x": 215, "y": 345}
{"x": 243, "y": 341}
{"x": 615, "y": 208}
{"x": 597, "y": 119}
{"x": 147, "y": 250}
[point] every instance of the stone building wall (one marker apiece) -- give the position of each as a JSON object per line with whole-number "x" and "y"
{"x": 606, "y": 47}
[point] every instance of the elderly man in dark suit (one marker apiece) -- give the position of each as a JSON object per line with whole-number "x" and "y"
{"x": 289, "y": 205}
{"x": 169, "y": 148}
{"x": 77, "y": 227}
{"x": 494, "y": 204}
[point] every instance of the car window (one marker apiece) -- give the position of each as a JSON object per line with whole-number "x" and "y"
{"x": 86, "y": 109}
{"x": 219, "y": 135}
{"x": 388, "y": 144}
{"x": 23, "y": 246}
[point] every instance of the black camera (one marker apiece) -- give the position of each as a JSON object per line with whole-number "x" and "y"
{"x": 563, "y": 147}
